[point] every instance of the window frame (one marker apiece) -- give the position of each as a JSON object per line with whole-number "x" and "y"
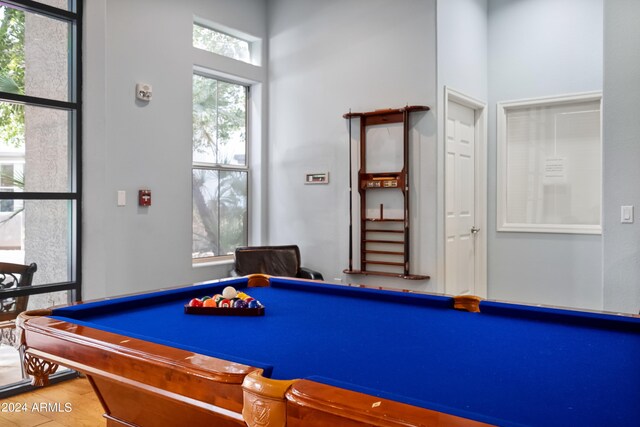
{"x": 74, "y": 107}
{"x": 502, "y": 166}
{"x": 254, "y": 43}
{"x": 202, "y": 72}
{"x": 74, "y": 16}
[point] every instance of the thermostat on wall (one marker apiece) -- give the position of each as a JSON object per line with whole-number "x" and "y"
{"x": 317, "y": 178}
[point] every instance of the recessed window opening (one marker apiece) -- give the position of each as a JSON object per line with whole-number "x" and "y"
{"x": 220, "y": 167}
{"x": 221, "y": 43}
{"x": 550, "y": 165}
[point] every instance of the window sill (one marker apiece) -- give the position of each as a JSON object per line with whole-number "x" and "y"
{"x": 212, "y": 262}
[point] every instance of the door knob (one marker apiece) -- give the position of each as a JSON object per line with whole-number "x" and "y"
{"x": 474, "y": 230}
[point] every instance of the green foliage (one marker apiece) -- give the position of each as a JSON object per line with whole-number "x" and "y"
{"x": 8, "y": 85}
{"x": 219, "y": 196}
{"x": 11, "y": 74}
{"x": 220, "y": 43}
{"x": 12, "y": 179}
{"x": 219, "y": 211}
{"x": 219, "y": 119}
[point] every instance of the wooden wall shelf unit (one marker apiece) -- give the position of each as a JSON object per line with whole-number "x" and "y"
{"x": 384, "y": 242}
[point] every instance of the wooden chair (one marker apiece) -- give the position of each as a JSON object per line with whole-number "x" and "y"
{"x": 272, "y": 260}
{"x": 13, "y": 276}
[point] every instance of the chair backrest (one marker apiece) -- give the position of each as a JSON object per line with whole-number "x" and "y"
{"x": 15, "y": 276}
{"x": 271, "y": 260}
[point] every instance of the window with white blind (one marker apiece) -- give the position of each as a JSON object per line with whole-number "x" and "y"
{"x": 550, "y": 165}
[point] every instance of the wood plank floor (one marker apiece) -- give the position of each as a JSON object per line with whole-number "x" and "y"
{"x": 67, "y": 404}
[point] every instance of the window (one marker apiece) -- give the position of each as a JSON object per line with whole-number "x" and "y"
{"x": 10, "y": 180}
{"x": 40, "y": 128}
{"x": 549, "y": 165}
{"x": 221, "y": 43}
{"x": 220, "y": 168}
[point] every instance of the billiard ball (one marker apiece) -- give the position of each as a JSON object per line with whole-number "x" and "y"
{"x": 229, "y": 292}
{"x": 253, "y": 304}
{"x": 209, "y": 303}
{"x": 239, "y": 304}
{"x": 224, "y": 303}
{"x": 195, "y": 302}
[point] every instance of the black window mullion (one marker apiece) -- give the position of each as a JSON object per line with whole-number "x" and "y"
{"x": 37, "y": 101}
{"x": 7, "y": 195}
{"x": 41, "y": 9}
{"x": 38, "y": 289}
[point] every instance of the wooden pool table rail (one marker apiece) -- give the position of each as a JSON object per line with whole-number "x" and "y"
{"x": 304, "y": 403}
{"x": 136, "y": 379}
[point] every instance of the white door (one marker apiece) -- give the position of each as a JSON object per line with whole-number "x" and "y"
{"x": 460, "y": 200}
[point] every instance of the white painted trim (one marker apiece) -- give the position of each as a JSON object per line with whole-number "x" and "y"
{"x": 552, "y": 228}
{"x": 481, "y": 158}
{"x": 240, "y": 78}
{"x": 213, "y": 261}
{"x": 501, "y": 202}
{"x": 556, "y": 99}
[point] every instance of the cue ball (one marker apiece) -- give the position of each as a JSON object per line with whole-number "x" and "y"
{"x": 229, "y": 292}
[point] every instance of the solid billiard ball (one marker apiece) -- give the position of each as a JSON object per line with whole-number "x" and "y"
{"x": 253, "y": 304}
{"x": 239, "y": 304}
{"x": 242, "y": 295}
{"x": 209, "y": 303}
{"x": 195, "y": 302}
{"x": 229, "y": 292}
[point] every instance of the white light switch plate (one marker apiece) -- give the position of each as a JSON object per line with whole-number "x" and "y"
{"x": 626, "y": 214}
{"x": 122, "y": 198}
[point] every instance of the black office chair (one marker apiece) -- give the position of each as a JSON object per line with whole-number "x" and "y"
{"x": 272, "y": 260}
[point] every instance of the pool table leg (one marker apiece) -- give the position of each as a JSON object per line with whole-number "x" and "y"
{"x": 38, "y": 368}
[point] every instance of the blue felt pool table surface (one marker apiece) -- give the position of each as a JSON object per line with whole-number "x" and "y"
{"x": 509, "y": 365}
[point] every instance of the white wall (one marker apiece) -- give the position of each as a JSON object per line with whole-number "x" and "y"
{"x": 129, "y": 145}
{"x": 327, "y": 57}
{"x": 462, "y": 47}
{"x": 500, "y": 50}
{"x": 462, "y": 66}
{"x": 621, "y": 269}
{"x": 540, "y": 48}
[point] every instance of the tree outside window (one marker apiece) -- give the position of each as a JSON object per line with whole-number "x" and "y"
{"x": 219, "y": 167}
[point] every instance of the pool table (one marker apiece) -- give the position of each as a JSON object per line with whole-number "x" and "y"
{"x": 325, "y": 354}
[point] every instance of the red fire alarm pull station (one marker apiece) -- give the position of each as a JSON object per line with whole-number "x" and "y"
{"x": 144, "y": 197}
